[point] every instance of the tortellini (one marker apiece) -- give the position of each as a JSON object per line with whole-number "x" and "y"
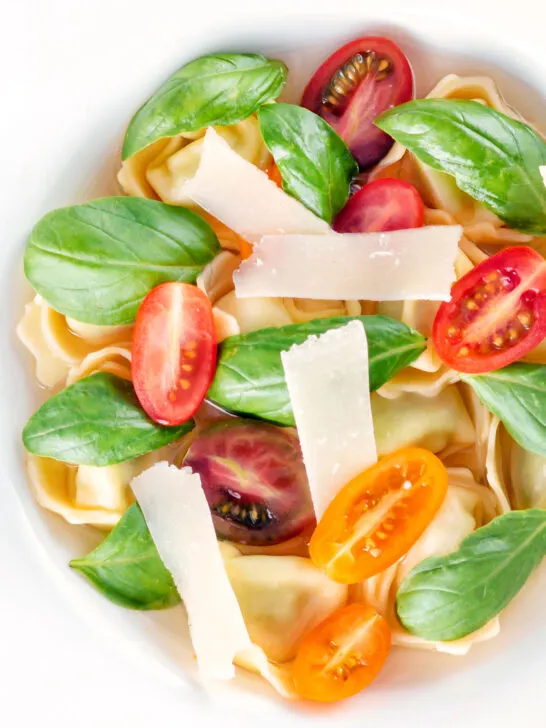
{"x": 467, "y": 506}
{"x": 435, "y": 423}
{"x": 517, "y": 475}
{"x": 65, "y": 350}
{"x": 282, "y": 598}
{"x": 84, "y": 494}
{"x": 161, "y": 170}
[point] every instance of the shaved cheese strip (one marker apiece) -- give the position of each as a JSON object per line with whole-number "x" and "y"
{"x": 328, "y": 384}
{"x": 178, "y": 516}
{"x": 403, "y": 265}
{"x": 243, "y": 197}
{"x": 543, "y": 173}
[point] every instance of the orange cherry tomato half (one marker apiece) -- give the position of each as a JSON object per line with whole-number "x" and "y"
{"x": 342, "y": 655}
{"x": 174, "y": 352}
{"x": 496, "y": 315}
{"x": 377, "y": 517}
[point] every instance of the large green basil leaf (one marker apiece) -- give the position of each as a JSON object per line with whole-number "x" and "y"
{"x": 214, "y": 90}
{"x": 96, "y": 262}
{"x": 493, "y": 158}
{"x": 447, "y": 597}
{"x": 127, "y": 568}
{"x": 96, "y": 421}
{"x": 316, "y": 165}
{"x": 250, "y": 380}
{"x": 517, "y": 395}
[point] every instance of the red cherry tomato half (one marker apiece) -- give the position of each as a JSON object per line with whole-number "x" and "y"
{"x": 496, "y": 315}
{"x": 356, "y": 84}
{"x": 174, "y": 352}
{"x": 382, "y": 205}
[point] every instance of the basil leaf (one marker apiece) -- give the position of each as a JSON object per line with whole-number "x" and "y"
{"x": 96, "y": 421}
{"x": 250, "y": 380}
{"x": 447, "y": 597}
{"x": 493, "y": 158}
{"x": 214, "y": 90}
{"x": 316, "y": 165}
{"x": 517, "y": 396}
{"x": 127, "y": 569}
{"x": 96, "y": 262}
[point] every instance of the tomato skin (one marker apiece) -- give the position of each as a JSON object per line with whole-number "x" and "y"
{"x": 377, "y": 517}
{"x": 174, "y": 352}
{"x": 362, "y": 640}
{"x": 274, "y": 175}
{"x": 382, "y": 205}
{"x": 355, "y": 121}
{"x": 496, "y": 315}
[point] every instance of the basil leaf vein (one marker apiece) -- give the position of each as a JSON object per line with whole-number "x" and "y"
{"x": 127, "y": 569}
{"x": 214, "y": 90}
{"x": 493, "y": 158}
{"x": 249, "y": 378}
{"x": 96, "y": 262}
{"x": 448, "y": 597}
{"x": 517, "y": 396}
{"x": 316, "y": 165}
{"x": 96, "y": 421}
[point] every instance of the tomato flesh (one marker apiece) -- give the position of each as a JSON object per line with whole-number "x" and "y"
{"x": 342, "y": 655}
{"x": 254, "y": 479}
{"x": 496, "y": 315}
{"x": 382, "y": 205}
{"x": 353, "y": 86}
{"x": 377, "y": 517}
{"x": 174, "y": 352}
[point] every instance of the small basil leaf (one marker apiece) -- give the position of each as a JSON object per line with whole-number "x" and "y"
{"x": 96, "y": 262}
{"x": 250, "y": 380}
{"x": 517, "y": 396}
{"x": 316, "y": 165}
{"x": 447, "y": 597}
{"x": 493, "y": 158}
{"x": 96, "y": 421}
{"x": 127, "y": 569}
{"x": 214, "y": 90}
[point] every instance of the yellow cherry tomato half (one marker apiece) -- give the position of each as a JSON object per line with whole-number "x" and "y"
{"x": 342, "y": 655}
{"x": 377, "y": 517}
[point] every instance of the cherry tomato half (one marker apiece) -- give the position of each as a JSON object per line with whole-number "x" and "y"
{"x": 382, "y": 205}
{"x": 377, "y": 517}
{"x": 496, "y": 315}
{"x": 174, "y": 352}
{"x": 356, "y": 84}
{"x": 254, "y": 479}
{"x": 342, "y": 655}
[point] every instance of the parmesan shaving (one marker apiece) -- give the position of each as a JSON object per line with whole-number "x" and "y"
{"x": 328, "y": 384}
{"x": 401, "y": 265}
{"x": 178, "y": 516}
{"x": 243, "y": 197}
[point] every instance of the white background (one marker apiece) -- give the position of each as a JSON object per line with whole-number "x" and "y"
{"x": 55, "y": 671}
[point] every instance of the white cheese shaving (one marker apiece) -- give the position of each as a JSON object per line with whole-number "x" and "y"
{"x": 243, "y": 197}
{"x": 179, "y": 519}
{"x": 328, "y": 384}
{"x": 401, "y": 265}
{"x": 543, "y": 173}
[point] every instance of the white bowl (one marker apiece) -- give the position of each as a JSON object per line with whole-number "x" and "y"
{"x": 76, "y": 72}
